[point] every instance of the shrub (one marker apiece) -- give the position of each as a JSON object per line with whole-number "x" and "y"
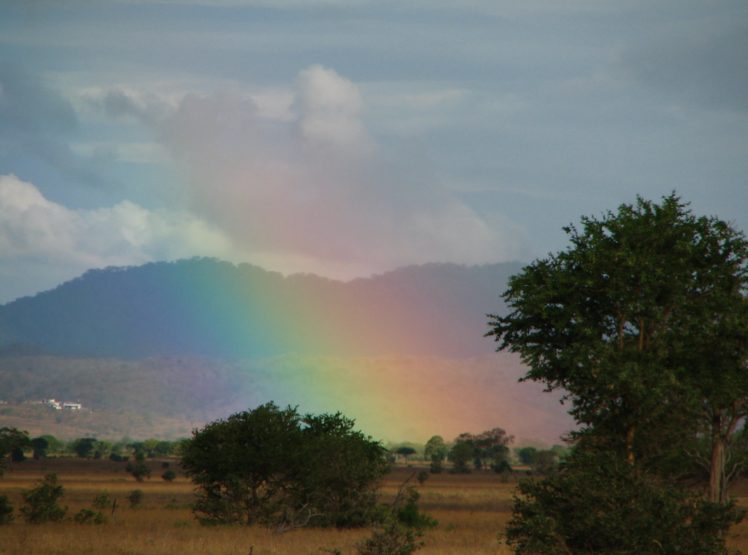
{"x": 87, "y": 516}
{"x": 102, "y": 501}
{"x": 139, "y": 469}
{"x": 41, "y": 502}
{"x": 135, "y": 498}
{"x": 6, "y": 510}
{"x": 400, "y": 529}
{"x": 169, "y": 475}
{"x": 597, "y": 503}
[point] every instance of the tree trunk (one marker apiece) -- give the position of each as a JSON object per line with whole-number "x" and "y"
{"x": 630, "y": 455}
{"x": 717, "y": 484}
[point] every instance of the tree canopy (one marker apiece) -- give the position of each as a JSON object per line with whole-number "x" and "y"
{"x": 277, "y": 467}
{"x": 643, "y": 316}
{"x": 642, "y": 322}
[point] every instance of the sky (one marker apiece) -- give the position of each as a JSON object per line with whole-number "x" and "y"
{"x": 347, "y": 138}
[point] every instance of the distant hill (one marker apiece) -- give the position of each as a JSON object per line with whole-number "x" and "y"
{"x": 203, "y": 307}
{"x": 160, "y": 348}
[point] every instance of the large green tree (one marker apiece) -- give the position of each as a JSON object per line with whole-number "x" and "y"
{"x": 643, "y": 323}
{"x": 277, "y": 467}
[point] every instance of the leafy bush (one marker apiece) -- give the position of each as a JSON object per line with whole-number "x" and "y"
{"x": 12, "y": 443}
{"x": 6, "y": 510}
{"x": 169, "y": 475}
{"x": 135, "y": 498}
{"x": 400, "y": 529}
{"x": 102, "y": 501}
{"x": 41, "y": 502}
{"x": 139, "y": 469}
{"x": 87, "y": 516}
{"x": 276, "y": 467}
{"x": 598, "y": 503}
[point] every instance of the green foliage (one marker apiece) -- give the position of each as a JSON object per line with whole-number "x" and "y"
{"x": 139, "y": 469}
{"x": 545, "y": 462}
{"x": 6, "y": 510}
{"x": 88, "y": 516}
{"x": 102, "y": 501}
{"x": 17, "y": 454}
{"x": 598, "y": 503}
{"x": 487, "y": 449}
{"x": 643, "y": 322}
{"x": 54, "y": 445}
{"x": 12, "y": 444}
{"x": 84, "y": 447}
{"x": 273, "y": 466}
{"x": 102, "y": 449}
{"x": 40, "y": 446}
{"x": 526, "y": 455}
{"x": 541, "y": 461}
{"x": 436, "y": 451}
{"x": 400, "y": 528}
{"x": 460, "y": 455}
{"x": 169, "y": 475}
{"x": 41, "y": 503}
{"x": 405, "y": 451}
{"x": 135, "y": 498}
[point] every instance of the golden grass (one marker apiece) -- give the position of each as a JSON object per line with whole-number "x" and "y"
{"x": 471, "y": 510}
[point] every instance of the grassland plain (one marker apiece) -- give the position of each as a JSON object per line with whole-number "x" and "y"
{"x": 471, "y": 509}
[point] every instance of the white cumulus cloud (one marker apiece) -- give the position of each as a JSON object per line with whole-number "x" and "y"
{"x": 51, "y": 242}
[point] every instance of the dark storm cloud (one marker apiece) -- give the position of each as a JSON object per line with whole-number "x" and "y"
{"x": 36, "y": 125}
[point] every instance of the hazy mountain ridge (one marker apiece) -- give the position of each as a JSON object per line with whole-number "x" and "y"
{"x": 177, "y": 344}
{"x": 204, "y": 307}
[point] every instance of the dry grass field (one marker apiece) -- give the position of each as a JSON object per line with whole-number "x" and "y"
{"x": 471, "y": 510}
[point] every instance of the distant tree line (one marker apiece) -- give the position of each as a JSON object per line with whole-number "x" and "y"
{"x": 16, "y": 446}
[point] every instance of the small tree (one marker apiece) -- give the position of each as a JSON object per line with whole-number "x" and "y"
{"x": 405, "y": 451}
{"x": 12, "y": 444}
{"x": 84, "y": 447}
{"x": 461, "y": 453}
{"x": 400, "y": 527}
{"x": 139, "y": 469}
{"x": 40, "y": 446}
{"x": 41, "y": 502}
{"x": 436, "y": 451}
{"x": 491, "y": 448}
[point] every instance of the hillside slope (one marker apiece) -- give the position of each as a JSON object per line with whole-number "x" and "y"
{"x": 203, "y": 307}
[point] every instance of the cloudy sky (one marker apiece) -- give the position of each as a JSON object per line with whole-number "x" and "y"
{"x": 347, "y": 137}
